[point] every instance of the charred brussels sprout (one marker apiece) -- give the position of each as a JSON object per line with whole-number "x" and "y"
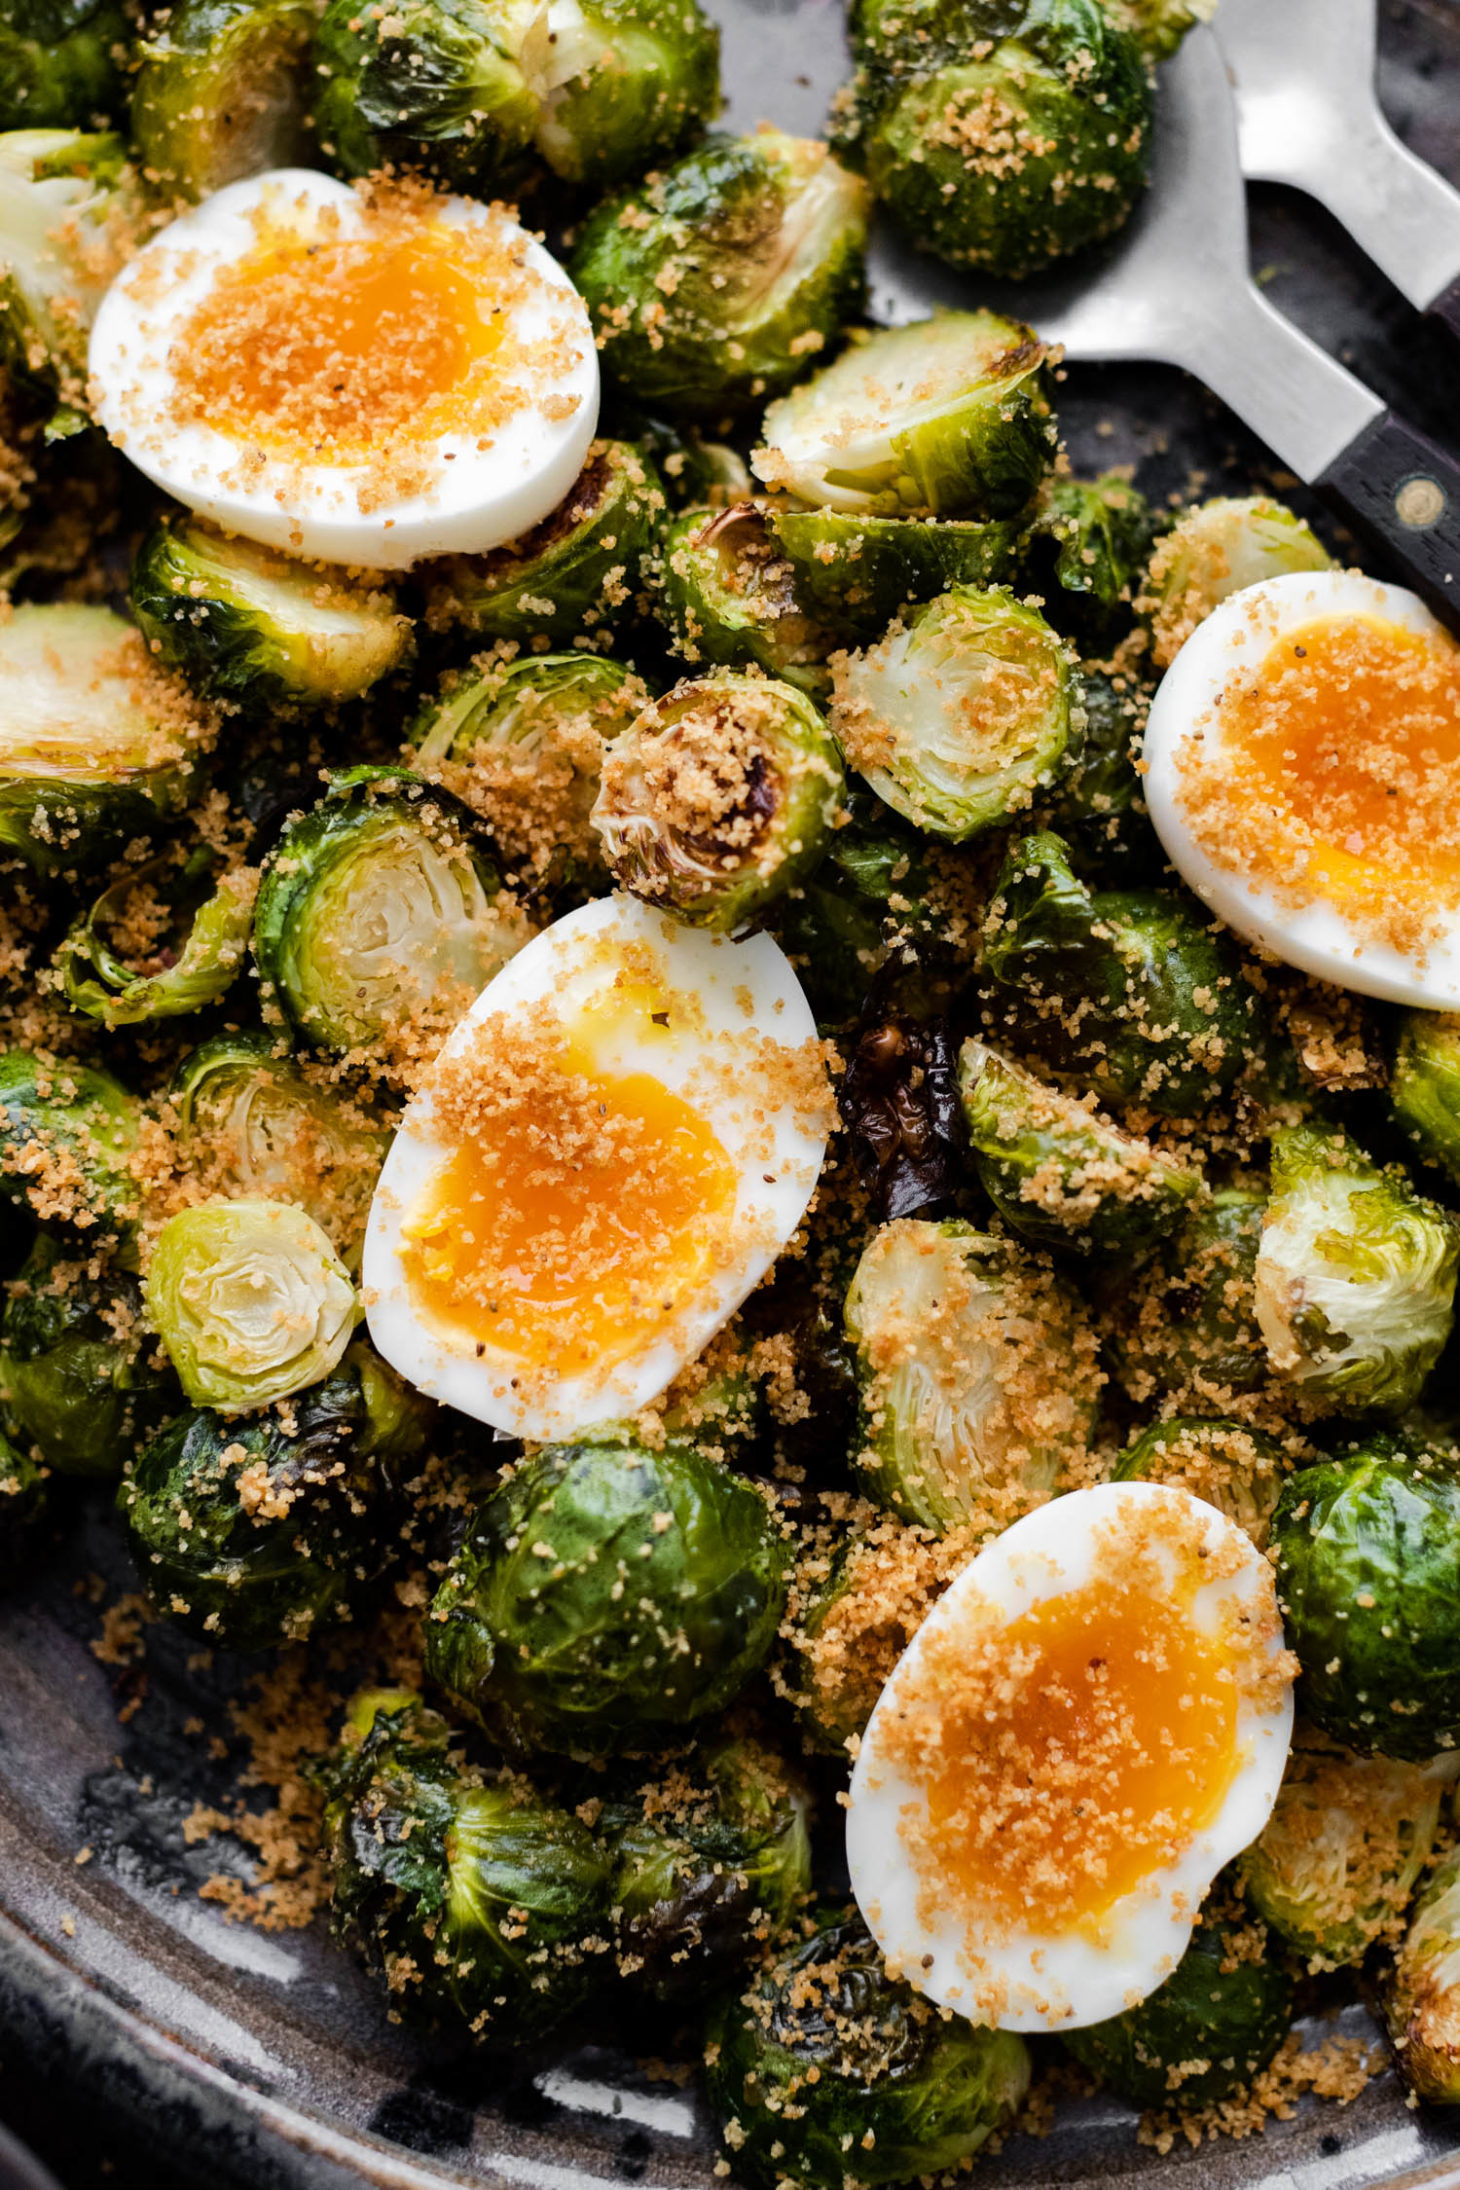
{"x": 1334, "y": 1867}
{"x": 95, "y": 747}
{"x": 1355, "y": 1274}
{"x": 959, "y": 716}
{"x": 1189, "y": 1322}
{"x": 258, "y": 1532}
{"x": 719, "y": 799}
{"x": 253, "y": 628}
{"x": 622, "y": 83}
{"x": 1231, "y": 1467}
{"x": 576, "y": 575}
{"x": 67, "y": 1134}
{"x": 1102, "y": 531}
{"x": 855, "y": 573}
{"x": 223, "y": 90}
{"x": 198, "y": 931}
{"x": 717, "y": 281}
{"x": 537, "y": 1631}
{"x": 1424, "y": 1086}
{"x": 899, "y": 1105}
{"x": 949, "y": 415}
{"x": 1000, "y": 137}
{"x": 78, "y": 1381}
{"x": 710, "y": 1858}
{"x": 828, "y": 2069}
{"x": 1366, "y": 1550}
{"x": 250, "y": 1300}
{"x": 67, "y": 200}
{"x": 378, "y": 909}
{"x": 433, "y": 84}
{"x": 869, "y": 894}
{"x": 1057, "y": 1171}
{"x": 728, "y": 595}
{"x": 1422, "y": 1996}
{"x": 58, "y": 62}
{"x": 1214, "y": 550}
{"x": 977, "y": 1375}
{"x": 464, "y": 1889}
{"x": 1218, "y": 2019}
{"x": 1097, "y": 805}
{"x": 1123, "y": 991}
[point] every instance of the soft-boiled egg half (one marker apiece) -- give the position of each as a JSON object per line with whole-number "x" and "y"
{"x": 1091, "y": 1722}
{"x": 363, "y": 376}
{"x": 610, "y": 1151}
{"x": 1303, "y": 757}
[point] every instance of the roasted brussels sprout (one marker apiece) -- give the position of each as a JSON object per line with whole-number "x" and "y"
{"x": 255, "y": 629}
{"x": 1366, "y": 1549}
{"x": 96, "y": 746}
{"x": 250, "y": 1300}
{"x": 720, "y": 798}
{"x": 851, "y": 1614}
{"x": 1424, "y": 1086}
{"x": 870, "y": 893}
{"x": 78, "y": 1381}
{"x": 977, "y": 1373}
{"x": 1188, "y": 1322}
{"x": 1334, "y": 1866}
{"x": 711, "y": 1857}
{"x": 464, "y": 1889}
{"x": 250, "y": 1124}
{"x": 1218, "y": 2019}
{"x": 1000, "y": 137}
{"x": 1236, "y": 1469}
{"x": 222, "y": 91}
{"x": 258, "y": 1532}
{"x": 1355, "y": 1274}
{"x": 1216, "y": 549}
{"x": 1097, "y": 805}
{"x": 829, "y": 2071}
{"x": 537, "y": 1632}
{"x": 434, "y": 84}
{"x": 900, "y": 1109}
{"x": 1060, "y": 1173}
{"x": 380, "y": 911}
{"x": 728, "y": 595}
{"x": 196, "y": 934}
{"x": 622, "y": 83}
{"x": 1102, "y": 531}
{"x": 949, "y": 415}
{"x": 67, "y": 1134}
{"x": 717, "y": 282}
{"x": 58, "y": 62}
{"x": 1124, "y": 992}
{"x": 68, "y": 201}
{"x": 1421, "y": 1998}
{"x": 574, "y": 576}
{"x": 856, "y": 573}
{"x": 959, "y": 716}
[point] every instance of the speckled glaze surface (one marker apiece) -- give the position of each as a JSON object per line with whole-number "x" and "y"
{"x": 256, "y": 2060}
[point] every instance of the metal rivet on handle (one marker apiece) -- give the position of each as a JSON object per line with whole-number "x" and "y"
{"x": 1420, "y": 502}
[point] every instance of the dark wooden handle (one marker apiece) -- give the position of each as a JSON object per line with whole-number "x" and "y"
{"x": 1402, "y": 491}
{"x": 1446, "y": 309}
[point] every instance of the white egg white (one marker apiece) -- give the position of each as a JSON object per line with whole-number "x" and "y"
{"x": 736, "y": 996}
{"x": 1227, "y": 646}
{"x": 475, "y": 498}
{"x": 1057, "y": 1980}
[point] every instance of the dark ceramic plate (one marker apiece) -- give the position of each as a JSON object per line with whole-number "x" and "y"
{"x": 135, "y": 2020}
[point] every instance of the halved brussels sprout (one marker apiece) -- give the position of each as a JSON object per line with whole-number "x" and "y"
{"x": 69, "y": 206}
{"x": 257, "y": 1533}
{"x": 67, "y": 1133}
{"x": 950, "y": 414}
{"x": 1001, "y": 137}
{"x": 537, "y": 1632}
{"x": 1355, "y": 1274}
{"x": 1217, "y": 2020}
{"x": 1188, "y": 1321}
{"x": 1102, "y": 530}
{"x": 1422, "y": 1995}
{"x": 250, "y": 1300}
{"x": 1424, "y": 1086}
{"x": 96, "y": 746}
{"x": 1216, "y": 549}
{"x": 710, "y": 1857}
{"x": 717, "y": 282}
{"x": 433, "y": 84}
{"x": 223, "y": 91}
{"x": 959, "y": 716}
{"x": 729, "y": 595}
{"x": 257, "y": 629}
{"x": 1158, "y": 26}
{"x": 1366, "y": 1552}
{"x": 1126, "y": 992}
{"x": 851, "y": 1614}
{"x": 621, "y": 81}
{"x": 250, "y": 1124}
{"x": 1231, "y": 1467}
{"x": 1098, "y": 806}
{"x": 574, "y": 576}
{"x": 1057, "y": 1171}
{"x": 380, "y": 912}
{"x": 1333, "y": 1868}
{"x": 827, "y": 2071}
{"x": 169, "y": 969}
{"x": 721, "y": 796}
{"x": 855, "y": 573}
{"x": 77, "y": 1378}
{"x": 466, "y": 1890}
{"x": 977, "y": 1371}
{"x": 58, "y": 62}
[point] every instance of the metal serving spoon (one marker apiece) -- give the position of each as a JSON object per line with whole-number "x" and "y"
{"x": 1175, "y": 287}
